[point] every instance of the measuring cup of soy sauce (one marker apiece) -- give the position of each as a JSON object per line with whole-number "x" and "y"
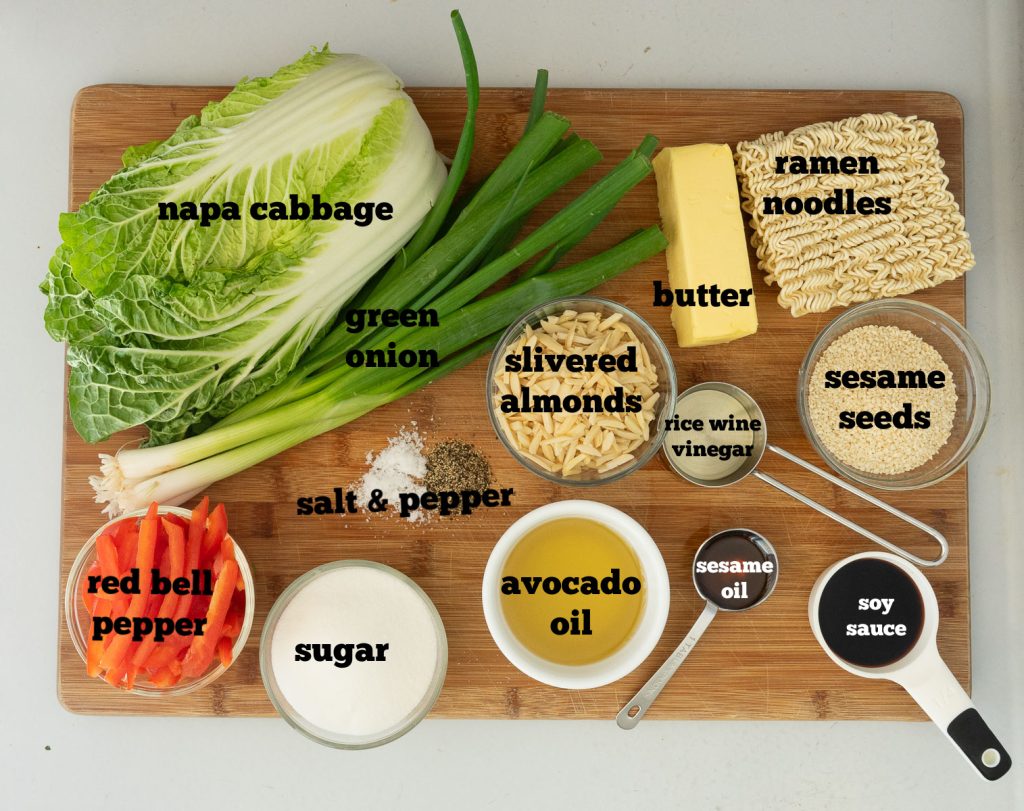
{"x": 733, "y": 570}
{"x": 741, "y": 467}
{"x": 876, "y": 616}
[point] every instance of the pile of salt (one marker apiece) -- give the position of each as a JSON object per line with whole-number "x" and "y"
{"x": 398, "y": 468}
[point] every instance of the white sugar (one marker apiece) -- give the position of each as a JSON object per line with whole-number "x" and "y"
{"x": 351, "y": 605}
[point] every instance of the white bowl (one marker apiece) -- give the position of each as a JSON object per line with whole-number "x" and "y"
{"x": 652, "y": 619}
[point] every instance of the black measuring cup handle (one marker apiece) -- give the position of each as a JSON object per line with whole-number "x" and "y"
{"x": 934, "y": 687}
{"x": 979, "y": 744}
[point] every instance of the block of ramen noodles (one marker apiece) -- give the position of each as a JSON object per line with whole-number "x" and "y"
{"x": 884, "y": 222}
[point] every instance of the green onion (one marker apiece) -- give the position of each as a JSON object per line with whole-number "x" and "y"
{"x": 585, "y": 208}
{"x": 172, "y": 473}
{"x": 460, "y": 163}
{"x": 531, "y": 150}
{"x": 552, "y": 257}
{"x": 540, "y": 94}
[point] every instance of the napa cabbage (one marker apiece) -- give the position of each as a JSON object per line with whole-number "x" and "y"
{"x": 173, "y": 324}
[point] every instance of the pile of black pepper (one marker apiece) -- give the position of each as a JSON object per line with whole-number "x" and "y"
{"x": 456, "y": 465}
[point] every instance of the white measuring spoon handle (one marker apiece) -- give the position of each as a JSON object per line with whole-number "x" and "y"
{"x": 932, "y": 685}
{"x": 630, "y": 715}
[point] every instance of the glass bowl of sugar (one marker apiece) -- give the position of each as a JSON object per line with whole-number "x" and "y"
{"x": 353, "y": 654}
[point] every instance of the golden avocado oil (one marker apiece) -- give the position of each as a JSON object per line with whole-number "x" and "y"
{"x": 572, "y": 591}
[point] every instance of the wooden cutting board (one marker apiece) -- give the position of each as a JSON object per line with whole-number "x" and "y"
{"x": 760, "y": 664}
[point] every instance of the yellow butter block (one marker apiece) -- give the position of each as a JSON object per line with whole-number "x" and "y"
{"x": 700, "y": 212}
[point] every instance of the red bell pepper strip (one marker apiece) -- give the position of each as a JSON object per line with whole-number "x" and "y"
{"x": 196, "y": 530}
{"x": 200, "y": 605}
{"x": 94, "y": 650}
{"x": 114, "y": 655}
{"x": 233, "y": 622}
{"x": 106, "y": 555}
{"x": 169, "y": 601}
{"x": 227, "y": 552}
{"x": 89, "y": 598}
{"x": 172, "y": 518}
{"x": 203, "y": 648}
{"x": 126, "y": 538}
{"x": 224, "y": 650}
{"x": 215, "y": 532}
{"x": 119, "y": 673}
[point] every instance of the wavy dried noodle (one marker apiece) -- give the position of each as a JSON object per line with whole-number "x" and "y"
{"x": 820, "y": 261}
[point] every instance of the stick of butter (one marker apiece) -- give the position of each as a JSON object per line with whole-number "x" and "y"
{"x": 708, "y": 270}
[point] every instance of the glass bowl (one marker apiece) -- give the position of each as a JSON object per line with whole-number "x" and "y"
{"x": 310, "y": 729}
{"x": 660, "y": 358}
{"x": 77, "y": 617}
{"x": 960, "y": 354}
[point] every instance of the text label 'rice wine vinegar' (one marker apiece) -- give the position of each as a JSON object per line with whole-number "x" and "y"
{"x": 572, "y": 591}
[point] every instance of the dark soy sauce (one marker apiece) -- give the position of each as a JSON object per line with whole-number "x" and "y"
{"x": 728, "y": 547}
{"x": 840, "y": 608}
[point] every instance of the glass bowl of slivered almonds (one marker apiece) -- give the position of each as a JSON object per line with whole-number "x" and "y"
{"x": 894, "y": 394}
{"x": 578, "y": 390}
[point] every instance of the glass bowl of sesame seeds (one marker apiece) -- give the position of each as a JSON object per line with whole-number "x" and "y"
{"x": 578, "y": 390}
{"x": 894, "y": 394}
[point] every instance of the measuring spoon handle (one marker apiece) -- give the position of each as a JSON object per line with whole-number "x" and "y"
{"x": 932, "y": 685}
{"x": 939, "y": 538}
{"x": 630, "y": 715}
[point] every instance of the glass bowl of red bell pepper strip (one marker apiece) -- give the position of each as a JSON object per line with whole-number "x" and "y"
{"x": 161, "y": 654}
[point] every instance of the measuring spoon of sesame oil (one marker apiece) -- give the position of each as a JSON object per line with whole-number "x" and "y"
{"x": 733, "y": 570}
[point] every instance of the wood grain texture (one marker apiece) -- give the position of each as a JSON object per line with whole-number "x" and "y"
{"x": 761, "y": 664}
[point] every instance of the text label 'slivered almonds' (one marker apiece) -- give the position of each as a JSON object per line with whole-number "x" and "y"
{"x": 570, "y": 443}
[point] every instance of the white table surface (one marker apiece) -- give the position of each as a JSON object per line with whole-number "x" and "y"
{"x": 50, "y": 758}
